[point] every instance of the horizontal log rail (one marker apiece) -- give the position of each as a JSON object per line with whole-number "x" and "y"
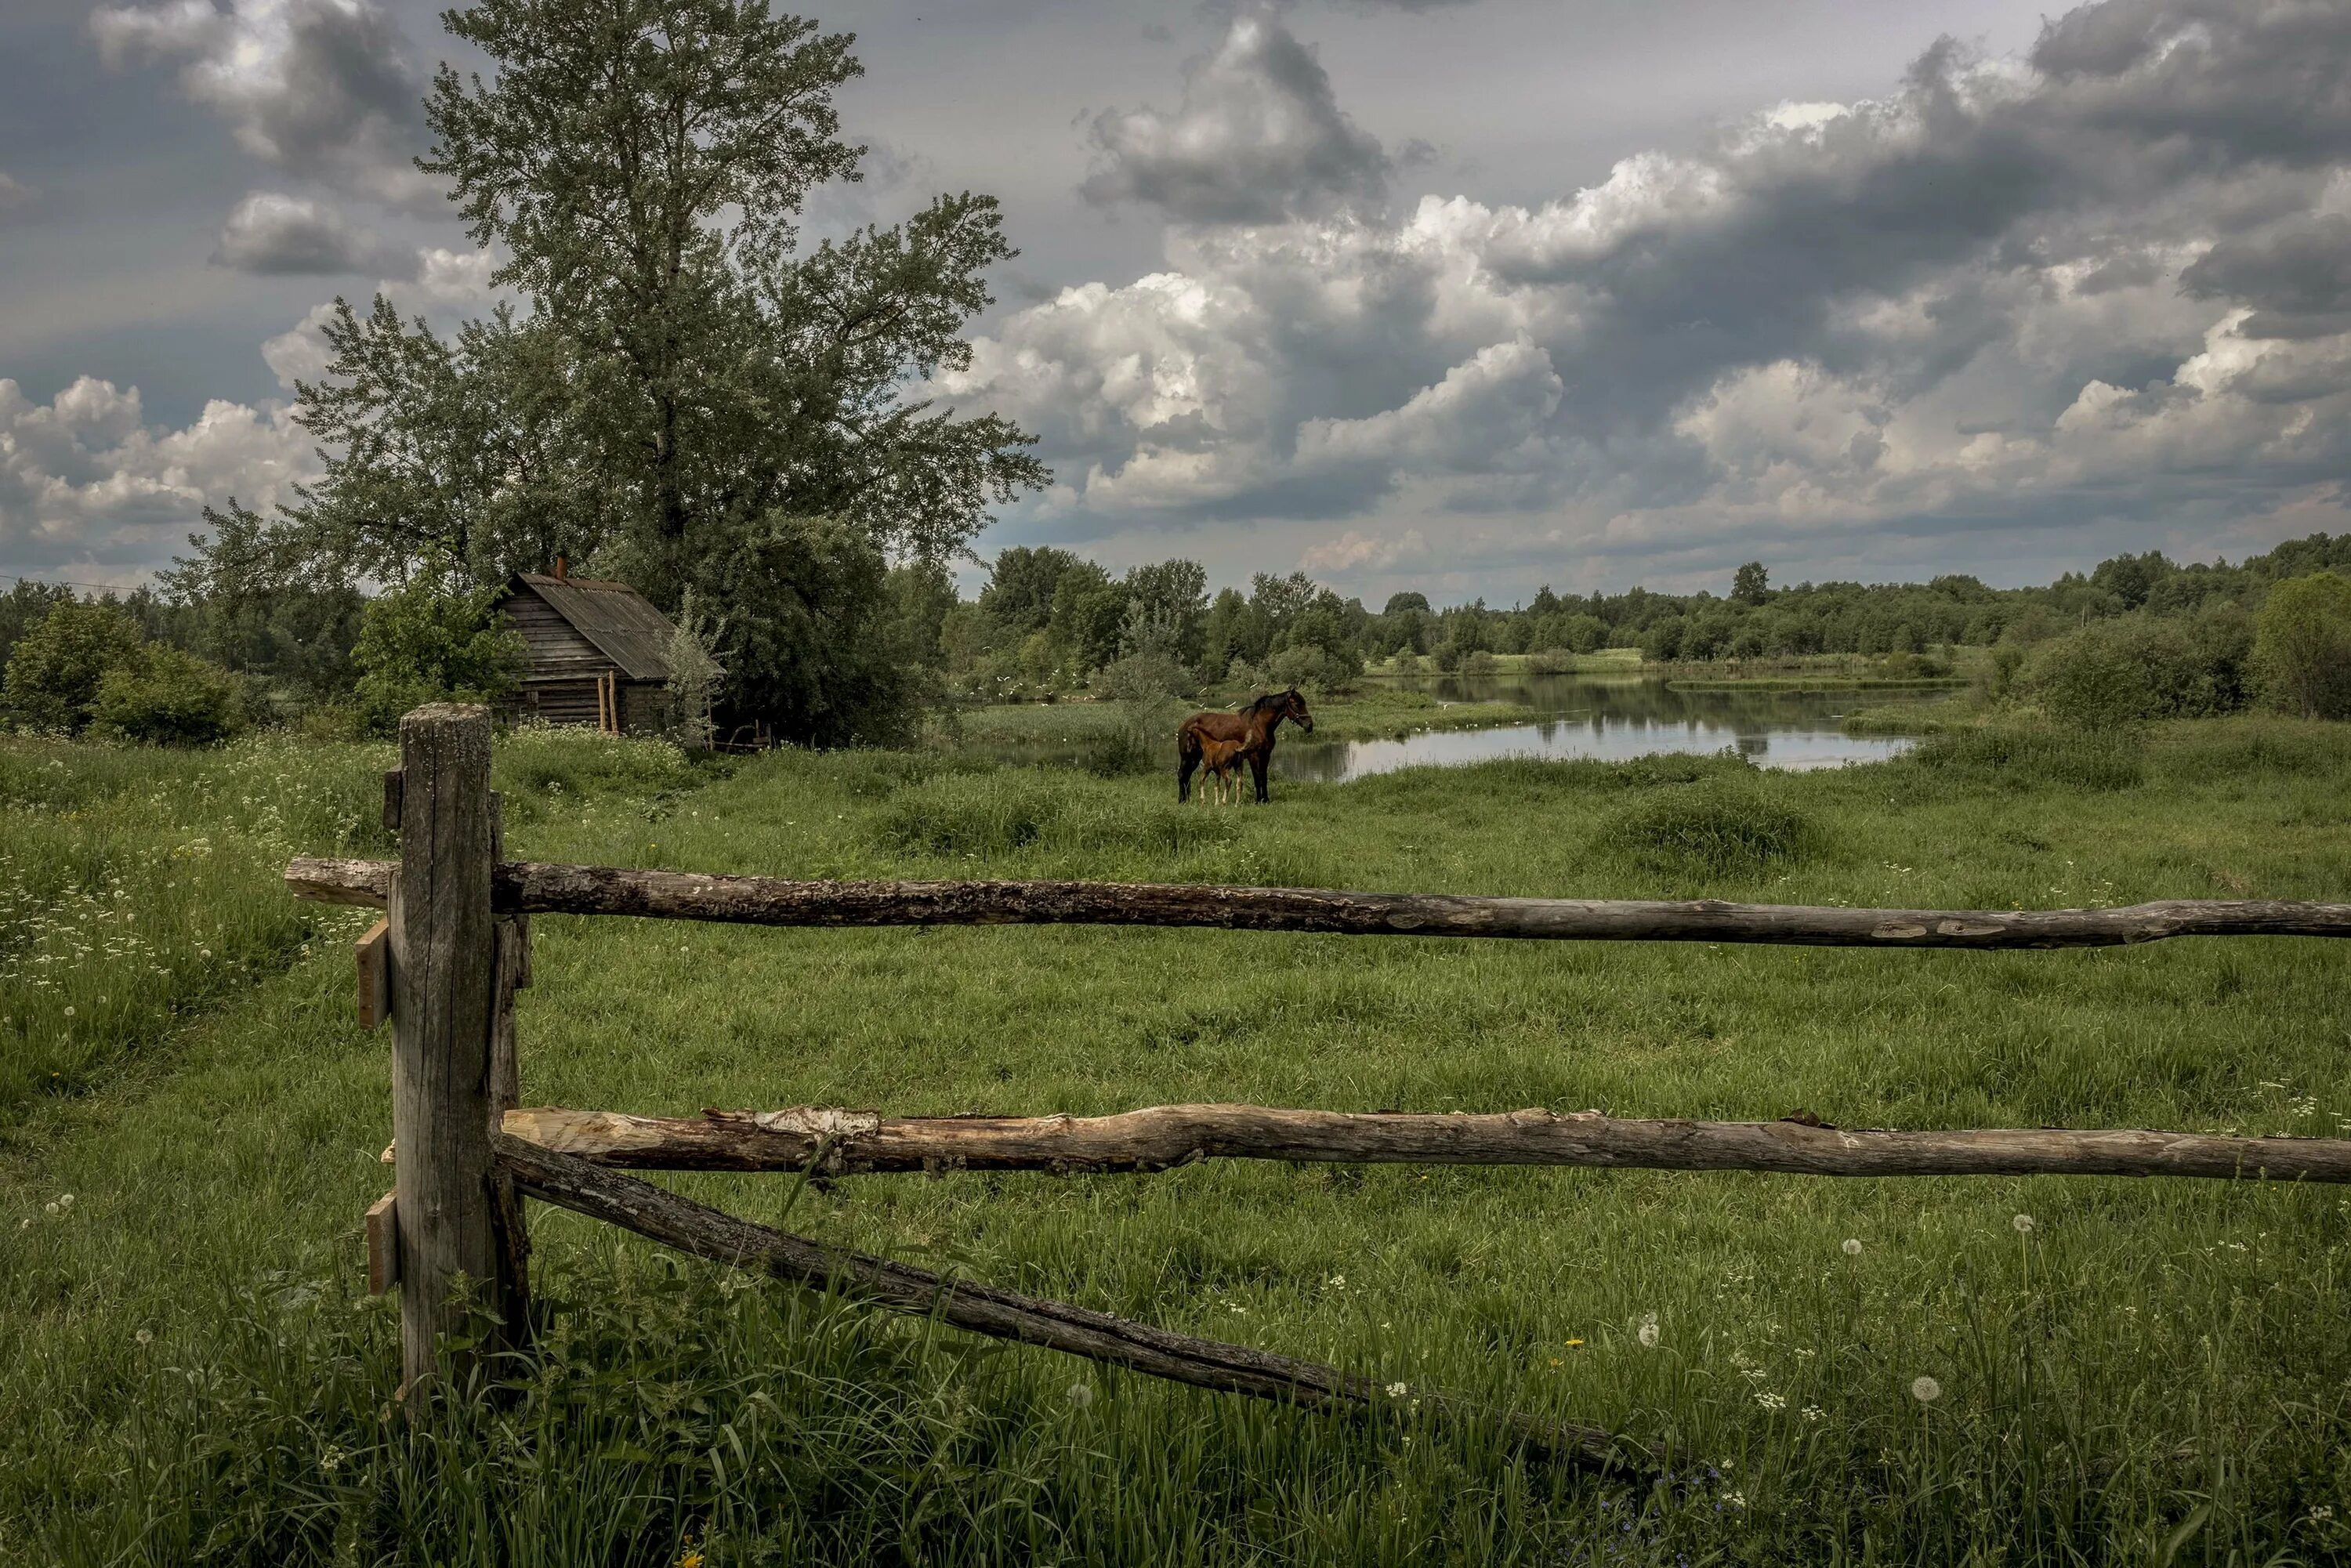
{"x": 704, "y": 1232}
{"x": 532, "y": 887}
{"x": 1164, "y": 1136}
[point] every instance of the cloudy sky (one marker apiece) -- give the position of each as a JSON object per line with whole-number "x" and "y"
{"x": 1467, "y": 296}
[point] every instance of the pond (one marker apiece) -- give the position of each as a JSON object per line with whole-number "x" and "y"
{"x": 1612, "y": 718}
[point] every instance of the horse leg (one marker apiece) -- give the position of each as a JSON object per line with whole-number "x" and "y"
{"x": 1257, "y": 765}
{"x": 1187, "y": 759}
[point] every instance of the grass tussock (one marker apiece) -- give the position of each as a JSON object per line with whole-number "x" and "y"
{"x": 2022, "y": 756}
{"x": 1721, "y": 826}
{"x": 1009, "y": 809}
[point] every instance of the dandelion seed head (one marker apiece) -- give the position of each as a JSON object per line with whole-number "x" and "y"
{"x": 1649, "y": 1334}
{"x": 1926, "y": 1390}
{"x": 1081, "y": 1395}
{"x": 1851, "y": 1245}
{"x": 2023, "y": 1223}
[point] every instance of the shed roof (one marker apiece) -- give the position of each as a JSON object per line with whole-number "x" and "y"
{"x": 621, "y": 622}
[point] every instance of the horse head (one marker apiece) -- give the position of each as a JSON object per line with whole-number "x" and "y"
{"x": 1293, "y": 708}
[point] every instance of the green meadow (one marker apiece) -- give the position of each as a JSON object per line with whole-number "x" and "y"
{"x": 2133, "y": 1372}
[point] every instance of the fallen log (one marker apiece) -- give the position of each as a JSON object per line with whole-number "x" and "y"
{"x": 849, "y": 1142}
{"x": 654, "y": 1212}
{"x": 535, "y": 888}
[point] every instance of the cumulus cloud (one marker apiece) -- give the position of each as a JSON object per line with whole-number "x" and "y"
{"x": 88, "y": 489}
{"x": 2105, "y": 280}
{"x": 1259, "y": 137}
{"x": 322, "y": 89}
{"x": 273, "y": 234}
{"x": 13, "y": 193}
{"x": 440, "y": 283}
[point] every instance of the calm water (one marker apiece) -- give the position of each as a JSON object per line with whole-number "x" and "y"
{"x": 1611, "y": 717}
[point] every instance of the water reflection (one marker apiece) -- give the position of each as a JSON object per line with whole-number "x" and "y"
{"x": 1612, "y": 718}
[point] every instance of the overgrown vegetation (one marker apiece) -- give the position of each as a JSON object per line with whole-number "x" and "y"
{"x": 187, "y": 1373}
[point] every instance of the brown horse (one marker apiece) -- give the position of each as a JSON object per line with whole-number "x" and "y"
{"x": 1253, "y": 727}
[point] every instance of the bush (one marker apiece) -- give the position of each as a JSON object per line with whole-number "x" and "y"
{"x": 1144, "y": 688}
{"x": 2301, "y": 646}
{"x": 1315, "y": 671}
{"x": 2026, "y": 756}
{"x": 56, "y": 669}
{"x": 2133, "y": 669}
{"x": 427, "y": 641}
{"x": 166, "y": 697}
{"x": 1718, "y": 826}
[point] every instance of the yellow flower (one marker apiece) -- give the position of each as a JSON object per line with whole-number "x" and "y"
{"x": 691, "y": 1559}
{"x": 1556, "y": 1362}
{"x": 1574, "y": 1342}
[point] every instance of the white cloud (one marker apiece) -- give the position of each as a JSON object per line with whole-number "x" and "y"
{"x": 15, "y": 192}
{"x": 272, "y": 232}
{"x": 88, "y": 489}
{"x": 2104, "y": 283}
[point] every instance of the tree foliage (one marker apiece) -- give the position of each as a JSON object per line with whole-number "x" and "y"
{"x": 433, "y": 639}
{"x": 2303, "y": 646}
{"x": 56, "y": 669}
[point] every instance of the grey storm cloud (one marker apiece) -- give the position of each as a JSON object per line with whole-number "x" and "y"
{"x": 273, "y": 235}
{"x": 323, "y": 88}
{"x": 1259, "y": 137}
{"x": 2297, "y": 274}
{"x": 2107, "y": 277}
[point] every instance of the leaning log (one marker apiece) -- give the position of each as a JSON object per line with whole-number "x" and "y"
{"x": 663, "y": 1217}
{"x": 532, "y": 887}
{"x": 851, "y": 1143}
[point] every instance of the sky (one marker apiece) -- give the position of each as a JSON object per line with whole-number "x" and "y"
{"x": 1461, "y": 295}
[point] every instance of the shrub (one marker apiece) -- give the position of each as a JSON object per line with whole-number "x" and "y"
{"x": 56, "y": 669}
{"x": 1717, "y": 825}
{"x": 2301, "y": 646}
{"x": 2133, "y": 669}
{"x": 2024, "y": 756}
{"x": 166, "y": 697}
{"x": 1315, "y": 671}
{"x": 1144, "y": 688}
{"x": 426, "y": 641}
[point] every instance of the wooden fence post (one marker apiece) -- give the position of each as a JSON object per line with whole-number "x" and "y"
{"x": 444, "y": 947}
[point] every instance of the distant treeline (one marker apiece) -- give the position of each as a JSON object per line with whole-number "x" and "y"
{"x": 1047, "y": 618}
{"x": 2138, "y": 636}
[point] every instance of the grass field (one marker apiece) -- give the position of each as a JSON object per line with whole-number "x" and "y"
{"x": 2154, "y": 1372}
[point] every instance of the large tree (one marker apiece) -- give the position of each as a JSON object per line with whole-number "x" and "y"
{"x": 644, "y": 163}
{"x": 686, "y": 392}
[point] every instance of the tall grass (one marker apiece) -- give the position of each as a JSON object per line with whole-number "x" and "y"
{"x": 2152, "y": 1369}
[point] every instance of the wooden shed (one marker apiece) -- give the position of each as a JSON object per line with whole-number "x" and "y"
{"x": 599, "y": 652}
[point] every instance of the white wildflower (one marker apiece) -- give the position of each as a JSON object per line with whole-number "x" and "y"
{"x": 1649, "y": 1334}
{"x": 1852, "y": 1246}
{"x": 1926, "y": 1390}
{"x": 2023, "y": 1223}
{"x": 1397, "y": 1390}
{"x": 145, "y": 1336}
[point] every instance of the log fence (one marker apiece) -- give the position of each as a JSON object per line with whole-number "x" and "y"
{"x": 454, "y": 947}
